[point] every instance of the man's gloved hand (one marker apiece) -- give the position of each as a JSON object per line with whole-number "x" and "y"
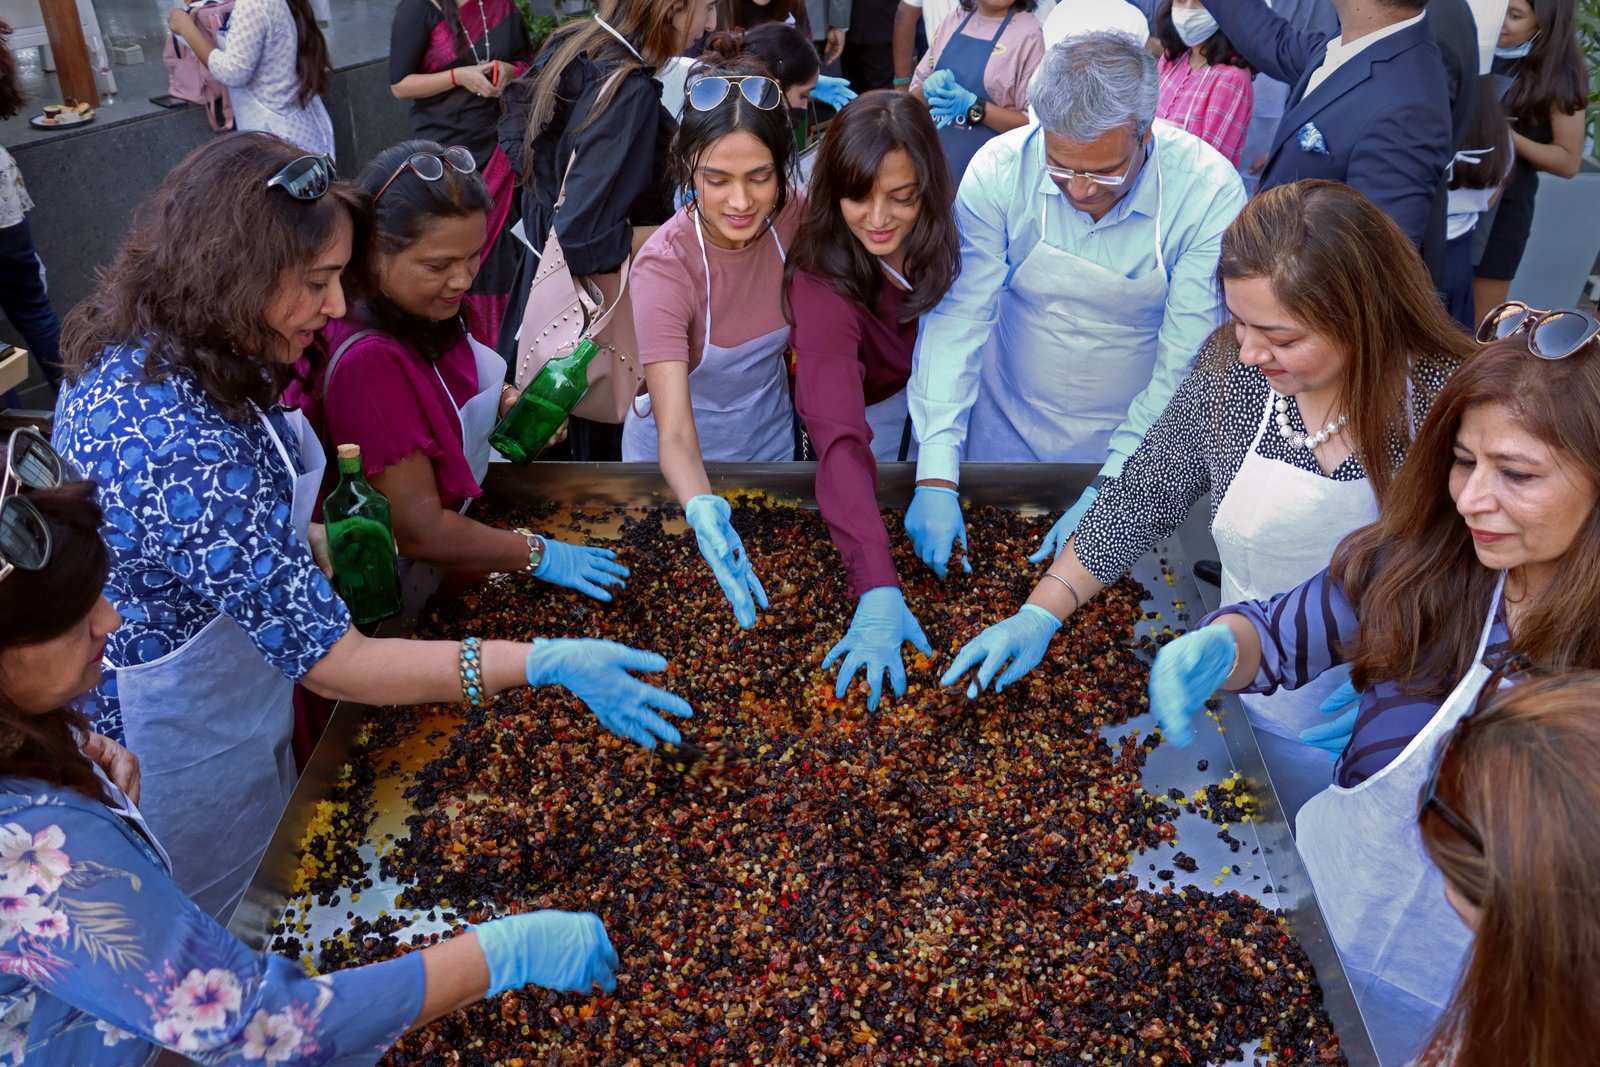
{"x": 1020, "y": 640}
{"x": 1345, "y": 704}
{"x": 719, "y": 543}
{"x": 1186, "y": 672}
{"x": 580, "y": 567}
{"x": 933, "y": 522}
{"x": 562, "y": 950}
{"x": 835, "y": 92}
{"x": 881, "y": 625}
{"x": 1065, "y": 526}
{"x": 596, "y": 672}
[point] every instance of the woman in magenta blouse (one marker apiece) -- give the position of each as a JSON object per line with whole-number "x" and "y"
{"x": 1205, "y": 85}
{"x": 401, "y": 376}
{"x": 877, "y": 248}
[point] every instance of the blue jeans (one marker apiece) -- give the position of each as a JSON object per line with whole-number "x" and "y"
{"x": 27, "y": 304}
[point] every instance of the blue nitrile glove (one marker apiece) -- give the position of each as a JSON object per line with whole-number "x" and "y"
{"x": 881, "y": 625}
{"x": 1065, "y": 527}
{"x": 939, "y": 81}
{"x": 562, "y": 950}
{"x": 580, "y": 567}
{"x": 1186, "y": 672}
{"x": 933, "y": 521}
{"x": 835, "y": 92}
{"x": 597, "y": 673}
{"x": 720, "y": 545}
{"x": 1333, "y": 737}
{"x": 1021, "y": 639}
{"x": 951, "y": 107}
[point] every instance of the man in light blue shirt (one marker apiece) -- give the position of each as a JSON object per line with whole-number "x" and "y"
{"x": 1089, "y": 245}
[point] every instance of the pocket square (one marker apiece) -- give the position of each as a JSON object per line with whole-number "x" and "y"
{"x": 1311, "y": 140}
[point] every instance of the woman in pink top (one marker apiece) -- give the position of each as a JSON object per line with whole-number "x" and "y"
{"x": 877, "y": 249}
{"x": 1205, "y": 85}
{"x": 706, "y": 297}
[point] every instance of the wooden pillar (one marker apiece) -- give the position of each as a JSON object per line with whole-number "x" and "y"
{"x": 73, "y": 69}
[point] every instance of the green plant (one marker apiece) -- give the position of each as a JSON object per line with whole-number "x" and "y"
{"x": 540, "y": 27}
{"x": 1589, "y": 36}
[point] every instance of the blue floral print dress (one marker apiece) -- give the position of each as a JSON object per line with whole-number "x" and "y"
{"x": 102, "y": 959}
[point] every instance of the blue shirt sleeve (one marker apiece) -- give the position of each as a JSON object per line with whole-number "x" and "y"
{"x": 103, "y": 932}
{"x": 1302, "y": 632}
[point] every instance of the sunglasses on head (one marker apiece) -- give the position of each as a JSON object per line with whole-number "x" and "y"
{"x": 1509, "y": 667}
{"x": 430, "y": 167}
{"x": 758, "y": 89}
{"x": 306, "y": 178}
{"x": 24, "y": 535}
{"x": 1551, "y": 334}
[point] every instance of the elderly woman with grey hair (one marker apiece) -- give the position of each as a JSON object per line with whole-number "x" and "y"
{"x": 1089, "y": 244}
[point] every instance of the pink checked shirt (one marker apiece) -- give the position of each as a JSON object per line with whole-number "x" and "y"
{"x": 1212, "y": 102}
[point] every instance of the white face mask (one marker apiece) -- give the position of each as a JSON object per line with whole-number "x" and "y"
{"x": 1194, "y": 25}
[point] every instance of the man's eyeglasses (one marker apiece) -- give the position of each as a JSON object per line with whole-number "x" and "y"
{"x": 1067, "y": 174}
{"x": 430, "y": 167}
{"x": 1551, "y": 334}
{"x": 24, "y": 535}
{"x": 306, "y": 178}
{"x": 758, "y": 89}
{"x": 1429, "y": 797}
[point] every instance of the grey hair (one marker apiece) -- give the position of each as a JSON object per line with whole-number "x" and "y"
{"x": 1089, "y": 85}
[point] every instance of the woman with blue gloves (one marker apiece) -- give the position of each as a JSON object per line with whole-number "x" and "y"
{"x": 1295, "y": 419}
{"x": 975, "y": 74}
{"x": 108, "y": 960}
{"x": 175, "y": 367}
{"x": 1487, "y": 546}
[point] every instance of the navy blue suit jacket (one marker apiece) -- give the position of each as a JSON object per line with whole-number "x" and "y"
{"x": 1384, "y": 115}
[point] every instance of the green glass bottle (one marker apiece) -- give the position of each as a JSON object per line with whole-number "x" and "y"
{"x": 361, "y": 542}
{"x": 544, "y": 405}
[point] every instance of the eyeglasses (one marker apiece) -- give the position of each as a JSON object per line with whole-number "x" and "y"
{"x": 761, "y": 91}
{"x": 24, "y": 535}
{"x": 1066, "y": 174}
{"x": 306, "y": 178}
{"x": 1429, "y": 797}
{"x": 430, "y": 167}
{"x": 1551, "y": 334}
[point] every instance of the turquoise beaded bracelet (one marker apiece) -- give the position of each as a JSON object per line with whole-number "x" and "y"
{"x": 472, "y": 671}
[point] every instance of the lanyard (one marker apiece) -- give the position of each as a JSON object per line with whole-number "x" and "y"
{"x": 896, "y": 275}
{"x": 625, "y": 42}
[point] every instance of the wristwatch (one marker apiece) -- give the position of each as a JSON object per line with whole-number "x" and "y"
{"x": 535, "y": 549}
{"x": 976, "y": 112}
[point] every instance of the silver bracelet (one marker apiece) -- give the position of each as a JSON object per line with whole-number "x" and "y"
{"x": 1077, "y": 601}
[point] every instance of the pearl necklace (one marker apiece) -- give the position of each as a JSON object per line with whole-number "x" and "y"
{"x": 1297, "y": 439}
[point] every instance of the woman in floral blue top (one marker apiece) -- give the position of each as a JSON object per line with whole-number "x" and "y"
{"x": 102, "y": 957}
{"x": 175, "y": 367}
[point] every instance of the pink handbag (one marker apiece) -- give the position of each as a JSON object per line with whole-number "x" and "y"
{"x": 561, "y": 312}
{"x": 188, "y": 78}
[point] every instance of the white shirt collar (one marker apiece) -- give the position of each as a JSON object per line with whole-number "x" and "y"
{"x": 1339, "y": 52}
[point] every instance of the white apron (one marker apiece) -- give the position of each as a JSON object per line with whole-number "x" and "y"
{"x": 742, "y": 411}
{"x": 890, "y": 419}
{"x": 1073, "y": 344}
{"x": 1400, "y": 940}
{"x": 211, "y": 723}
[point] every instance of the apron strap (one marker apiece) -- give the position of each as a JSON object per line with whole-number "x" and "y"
{"x": 338, "y": 354}
{"x": 905, "y": 440}
{"x": 992, "y": 42}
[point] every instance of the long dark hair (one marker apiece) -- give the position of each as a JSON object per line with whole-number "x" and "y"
{"x": 1340, "y": 265}
{"x": 39, "y": 606}
{"x": 1216, "y": 49}
{"x": 399, "y": 218}
{"x": 1413, "y": 577}
{"x": 1016, "y": 5}
{"x": 852, "y": 153}
{"x": 699, "y": 130}
{"x": 201, "y": 265}
{"x": 1552, "y": 76}
{"x": 781, "y": 48}
{"x": 312, "y": 65}
{"x": 747, "y": 14}
{"x": 1488, "y": 135}
{"x": 12, "y": 97}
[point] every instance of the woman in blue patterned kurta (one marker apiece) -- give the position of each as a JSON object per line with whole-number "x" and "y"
{"x": 175, "y": 367}
{"x": 102, "y": 957}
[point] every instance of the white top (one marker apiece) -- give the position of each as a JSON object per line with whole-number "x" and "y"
{"x": 256, "y": 58}
{"x": 14, "y": 198}
{"x": 1340, "y": 52}
{"x": 1072, "y": 18}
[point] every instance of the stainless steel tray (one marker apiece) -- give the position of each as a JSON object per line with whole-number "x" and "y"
{"x": 1267, "y": 857}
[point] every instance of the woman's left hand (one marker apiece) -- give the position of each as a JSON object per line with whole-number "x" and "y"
{"x": 500, "y": 74}
{"x": 120, "y": 765}
{"x": 317, "y": 534}
{"x": 508, "y": 399}
{"x": 582, "y": 568}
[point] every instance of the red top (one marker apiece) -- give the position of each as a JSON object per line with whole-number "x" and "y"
{"x": 845, "y": 358}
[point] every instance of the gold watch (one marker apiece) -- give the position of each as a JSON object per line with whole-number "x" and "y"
{"x": 535, "y": 549}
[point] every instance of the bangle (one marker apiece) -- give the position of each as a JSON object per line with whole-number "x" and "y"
{"x": 472, "y": 671}
{"x": 1077, "y": 601}
{"x": 452, "y": 76}
{"x": 902, "y": 81}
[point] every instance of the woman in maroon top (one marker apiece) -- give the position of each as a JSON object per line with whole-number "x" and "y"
{"x": 877, "y": 249}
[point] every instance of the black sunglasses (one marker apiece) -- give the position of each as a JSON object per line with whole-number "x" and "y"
{"x": 430, "y": 167}
{"x": 1513, "y": 664}
{"x": 760, "y": 90}
{"x": 306, "y": 178}
{"x": 24, "y": 535}
{"x": 1551, "y": 334}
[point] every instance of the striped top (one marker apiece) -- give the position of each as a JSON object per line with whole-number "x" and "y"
{"x": 1302, "y": 632}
